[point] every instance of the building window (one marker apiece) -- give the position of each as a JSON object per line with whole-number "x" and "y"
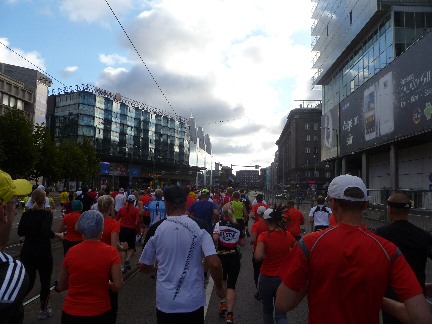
{"x": 315, "y": 138}
{"x": 307, "y": 150}
{"x": 315, "y": 150}
{"x": 307, "y": 126}
{"x": 308, "y": 138}
{"x": 327, "y": 174}
{"x": 316, "y": 126}
{"x": 350, "y": 17}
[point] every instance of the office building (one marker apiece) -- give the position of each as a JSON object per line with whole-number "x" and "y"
{"x": 372, "y": 60}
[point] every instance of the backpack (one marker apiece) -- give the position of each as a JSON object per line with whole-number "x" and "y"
{"x": 323, "y": 209}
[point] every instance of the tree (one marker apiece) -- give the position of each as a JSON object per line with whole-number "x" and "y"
{"x": 48, "y": 162}
{"x": 17, "y": 142}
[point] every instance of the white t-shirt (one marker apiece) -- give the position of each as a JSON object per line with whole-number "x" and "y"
{"x": 120, "y": 200}
{"x": 254, "y": 202}
{"x": 321, "y": 218}
{"x": 180, "y": 276}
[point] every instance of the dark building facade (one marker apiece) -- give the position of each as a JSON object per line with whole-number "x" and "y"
{"x": 248, "y": 178}
{"x": 298, "y": 159}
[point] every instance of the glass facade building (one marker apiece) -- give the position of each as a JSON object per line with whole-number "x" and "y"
{"x": 121, "y": 129}
{"x": 352, "y": 40}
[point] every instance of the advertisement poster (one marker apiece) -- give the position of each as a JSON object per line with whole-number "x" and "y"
{"x": 104, "y": 168}
{"x": 118, "y": 169}
{"x": 395, "y": 103}
{"x": 329, "y": 134}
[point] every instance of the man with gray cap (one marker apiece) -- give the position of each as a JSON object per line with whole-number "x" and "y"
{"x": 177, "y": 245}
{"x": 346, "y": 269}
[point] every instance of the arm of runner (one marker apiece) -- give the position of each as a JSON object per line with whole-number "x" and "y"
{"x": 215, "y": 215}
{"x": 287, "y": 299}
{"x": 242, "y": 242}
{"x": 412, "y": 310}
{"x": 259, "y": 252}
{"x": 63, "y": 282}
{"x": 216, "y": 272}
{"x": 253, "y": 238}
{"x": 116, "y": 278}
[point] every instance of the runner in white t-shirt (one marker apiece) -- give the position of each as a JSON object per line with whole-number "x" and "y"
{"x": 177, "y": 243}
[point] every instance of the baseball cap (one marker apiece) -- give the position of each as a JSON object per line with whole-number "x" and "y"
{"x": 261, "y": 209}
{"x": 339, "y": 185}
{"x": 10, "y": 188}
{"x": 76, "y": 205}
{"x": 121, "y": 190}
{"x": 205, "y": 191}
{"x": 131, "y": 198}
{"x": 267, "y": 213}
{"x": 41, "y": 187}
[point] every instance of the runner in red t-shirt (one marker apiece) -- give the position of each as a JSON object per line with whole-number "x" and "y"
{"x": 228, "y": 196}
{"x": 347, "y": 269}
{"x": 110, "y": 236}
{"x": 257, "y": 228}
{"x": 294, "y": 218}
{"x": 272, "y": 247}
{"x": 145, "y": 221}
{"x": 129, "y": 217}
{"x": 88, "y": 268}
{"x": 72, "y": 236}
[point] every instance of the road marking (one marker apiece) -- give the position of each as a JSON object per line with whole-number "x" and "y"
{"x": 209, "y": 290}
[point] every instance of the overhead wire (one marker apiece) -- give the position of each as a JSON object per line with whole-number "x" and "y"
{"x": 139, "y": 55}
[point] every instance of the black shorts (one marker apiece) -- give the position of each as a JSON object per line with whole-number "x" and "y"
{"x": 195, "y": 317}
{"x": 128, "y": 235}
{"x": 231, "y": 268}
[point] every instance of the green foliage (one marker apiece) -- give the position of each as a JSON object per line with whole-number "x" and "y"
{"x": 31, "y": 152}
{"x": 19, "y": 154}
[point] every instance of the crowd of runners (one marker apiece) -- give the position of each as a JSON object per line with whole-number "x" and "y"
{"x": 190, "y": 234}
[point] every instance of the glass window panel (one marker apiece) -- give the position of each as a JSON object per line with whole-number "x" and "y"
{"x": 20, "y": 105}
{"x": 409, "y": 20}
{"x": 399, "y": 19}
{"x": 383, "y": 59}
{"x": 428, "y": 19}
{"x": 419, "y": 20}
{"x": 5, "y": 100}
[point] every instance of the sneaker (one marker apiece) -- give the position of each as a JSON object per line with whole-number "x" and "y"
{"x": 44, "y": 314}
{"x": 229, "y": 319}
{"x": 257, "y": 296}
{"x": 222, "y": 309}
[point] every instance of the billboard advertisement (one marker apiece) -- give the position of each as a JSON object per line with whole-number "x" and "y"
{"x": 395, "y": 103}
{"x": 329, "y": 133}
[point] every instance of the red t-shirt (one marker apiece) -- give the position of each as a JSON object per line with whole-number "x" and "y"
{"x": 258, "y": 228}
{"x": 277, "y": 245}
{"x": 294, "y": 218}
{"x": 347, "y": 269}
{"x": 255, "y": 208}
{"x": 227, "y": 198}
{"x": 93, "y": 195}
{"x": 332, "y": 220}
{"x": 110, "y": 225}
{"x": 71, "y": 234}
{"x": 145, "y": 200}
{"x": 189, "y": 201}
{"x": 89, "y": 267}
{"x": 114, "y": 194}
{"x": 128, "y": 216}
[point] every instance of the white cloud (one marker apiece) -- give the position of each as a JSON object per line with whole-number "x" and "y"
{"x": 112, "y": 59}
{"x": 94, "y": 11}
{"x": 113, "y": 73}
{"x": 212, "y": 56}
{"x": 16, "y": 56}
{"x": 71, "y": 69}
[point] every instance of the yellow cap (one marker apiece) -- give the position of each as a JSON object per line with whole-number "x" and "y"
{"x": 10, "y": 188}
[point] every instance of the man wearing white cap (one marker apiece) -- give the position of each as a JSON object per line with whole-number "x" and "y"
{"x": 346, "y": 269}
{"x": 13, "y": 279}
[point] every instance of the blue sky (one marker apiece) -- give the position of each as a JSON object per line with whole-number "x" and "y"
{"x": 217, "y": 59}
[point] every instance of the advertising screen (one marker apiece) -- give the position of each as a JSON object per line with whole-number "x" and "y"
{"x": 396, "y": 102}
